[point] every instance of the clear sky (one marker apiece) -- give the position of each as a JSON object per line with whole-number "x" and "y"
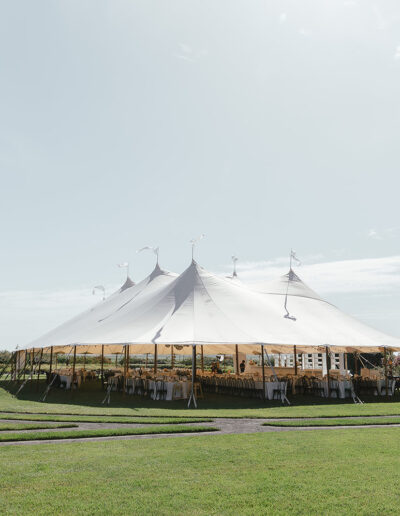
{"x": 265, "y": 125}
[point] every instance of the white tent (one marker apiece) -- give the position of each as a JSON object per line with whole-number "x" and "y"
{"x": 199, "y": 308}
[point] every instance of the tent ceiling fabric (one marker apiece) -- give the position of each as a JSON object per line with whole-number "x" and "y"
{"x": 200, "y": 308}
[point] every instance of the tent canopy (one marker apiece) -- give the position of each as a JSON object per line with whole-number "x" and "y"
{"x": 199, "y": 308}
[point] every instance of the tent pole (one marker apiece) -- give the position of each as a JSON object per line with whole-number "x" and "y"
{"x": 73, "y": 368}
{"x": 263, "y": 371}
{"x": 355, "y": 363}
{"x": 237, "y": 358}
{"x": 38, "y": 373}
{"x": 202, "y": 359}
{"x": 295, "y": 359}
{"x": 102, "y": 366}
{"x": 172, "y": 357}
{"x": 192, "y": 395}
{"x": 125, "y": 370}
{"x": 51, "y": 362}
{"x": 32, "y": 357}
{"x": 327, "y": 370}
{"x": 386, "y": 373}
{"x": 147, "y": 361}
{"x": 26, "y": 358}
{"x": 155, "y": 358}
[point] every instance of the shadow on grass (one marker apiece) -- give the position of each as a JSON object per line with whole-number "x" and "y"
{"x": 90, "y": 394}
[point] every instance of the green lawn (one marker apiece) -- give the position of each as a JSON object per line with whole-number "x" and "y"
{"x": 106, "y": 432}
{"x": 87, "y": 401}
{"x": 106, "y": 419}
{"x": 338, "y": 422}
{"x": 319, "y": 472}
{"x": 32, "y": 426}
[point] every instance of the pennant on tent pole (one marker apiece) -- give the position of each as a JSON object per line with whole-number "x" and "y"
{"x": 150, "y": 248}
{"x": 292, "y": 258}
{"x": 234, "y": 273}
{"x": 194, "y": 242}
{"x": 101, "y": 288}
{"x": 126, "y": 266}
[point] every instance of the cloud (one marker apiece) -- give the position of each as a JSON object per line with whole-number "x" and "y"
{"x": 381, "y": 234}
{"x": 374, "y": 275}
{"x": 186, "y": 53}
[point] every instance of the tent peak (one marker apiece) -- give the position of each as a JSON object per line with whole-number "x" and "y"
{"x": 128, "y": 284}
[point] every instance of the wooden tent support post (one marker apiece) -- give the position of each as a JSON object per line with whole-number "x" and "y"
{"x": 172, "y": 357}
{"x": 355, "y": 363}
{"x": 328, "y": 365}
{"x": 38, "y": 372}
{"x": 125, "y": 369}
{"x": 147, "y": 361}
{"x": 51, "y": 362}
{"x": 32, "y": 357}
{"x": 155, "y": 358}
{"x": 102, "y": 366}
{"x": 237, "y": 358}
{"x": 295, "y": 359}
{"x": 26, "y": 358}
{"x": 263, "y": 371}
{"x": 192, "y": 397}
{"x": 386, "y": 373}
{"x": 202, "y": 358}
{"x": 73, "y": 368}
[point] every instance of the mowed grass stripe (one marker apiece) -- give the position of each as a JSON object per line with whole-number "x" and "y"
{"x": 105, "y": 419}
{"x": 107, "y": 432}
{"x": 32, "y": 426}
{"x": 336, "y": 422}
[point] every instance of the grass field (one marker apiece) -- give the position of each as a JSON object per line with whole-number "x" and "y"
{"x": 337, "y": 422}
{"x": 32, "y": 426}
{"x": 107, "y": 432}
{"x": 105, "y": 419}
{"x": 318, "y": 472}
{"x": 87, "y": 401}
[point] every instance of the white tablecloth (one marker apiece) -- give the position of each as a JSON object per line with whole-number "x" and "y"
{"x": 343, "y": 386}
{"x": 270, "y": 387}
{"x": 67, "y": 379}
{"x": 381, "y": 387}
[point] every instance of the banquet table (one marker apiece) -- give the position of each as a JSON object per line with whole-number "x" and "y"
{"x": 381, "y": 387}
{"x": 67, "y": 379}
{"x": 270, "y": 387}
{"x": 339, "y": 388}
{"x": 171, "y": 389}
